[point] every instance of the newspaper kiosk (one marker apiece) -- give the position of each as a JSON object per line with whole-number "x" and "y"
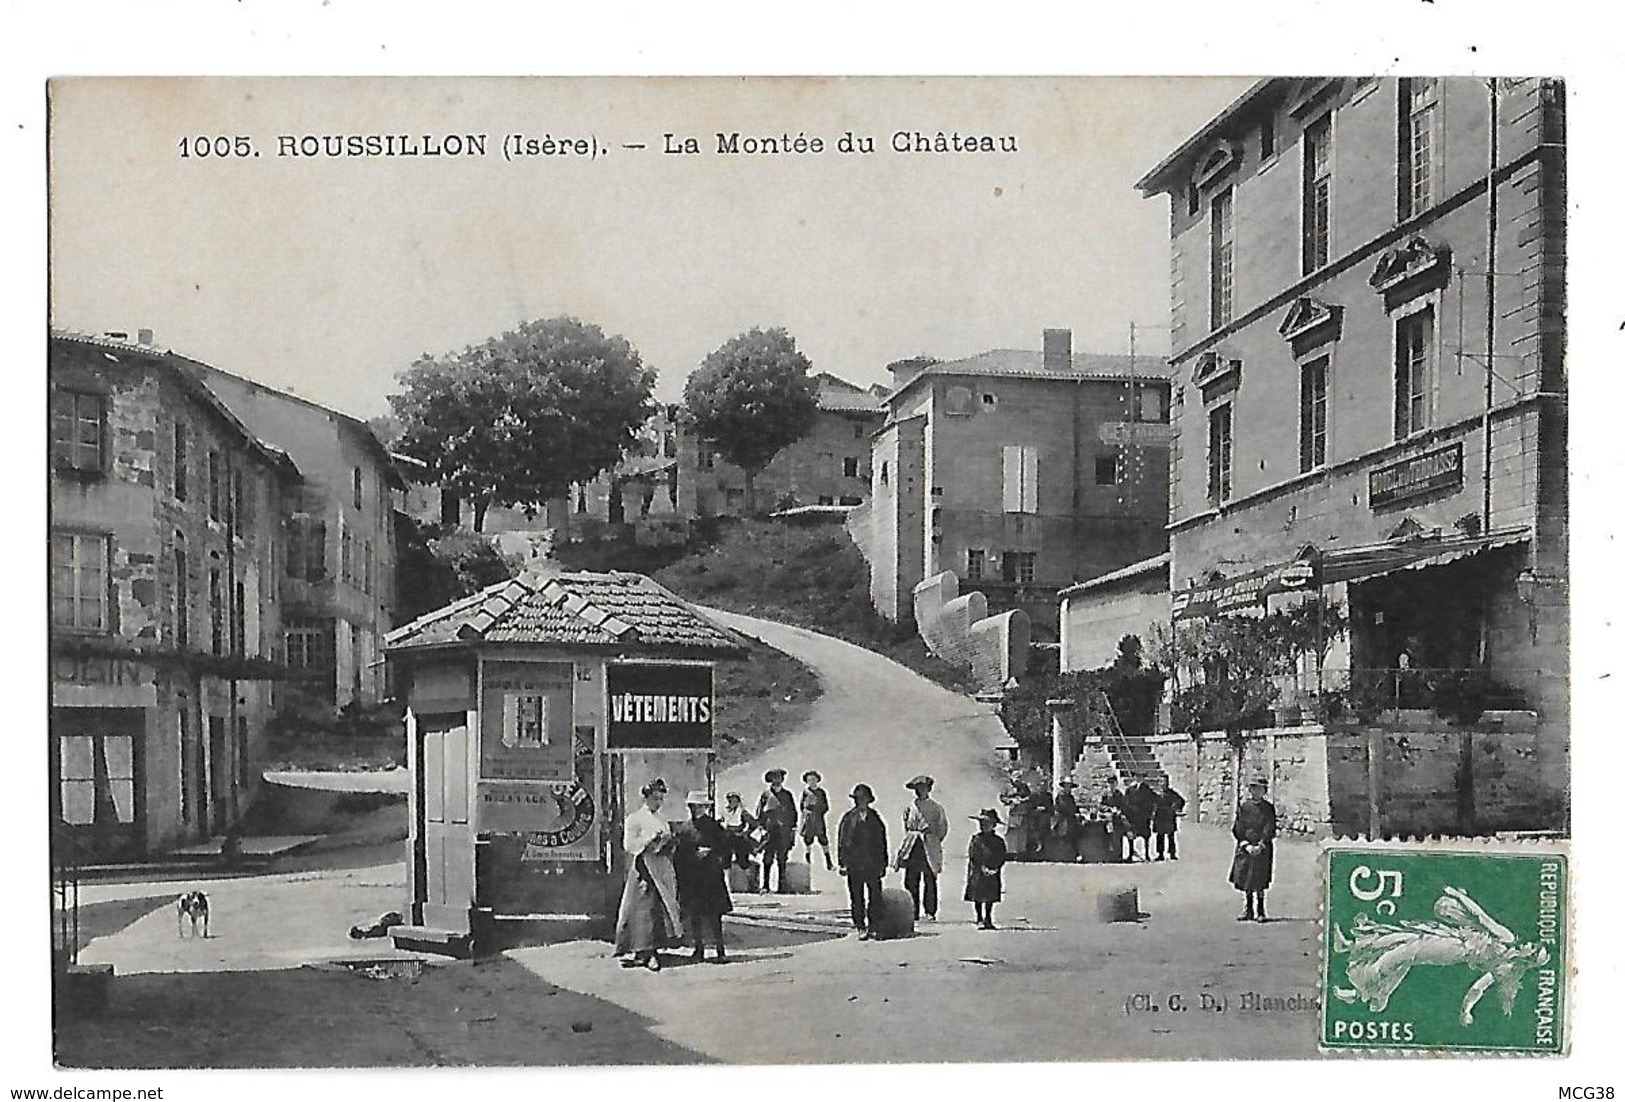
{"x": 536, "y": 709}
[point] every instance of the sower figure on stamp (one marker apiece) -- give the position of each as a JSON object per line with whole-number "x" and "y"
{"x": 860, "y": 850}
{"x": 814, "y": 808}
{"x": 984, "y": 878}
{"x": 925, "y": 826}
{"x": 776, "y": 812}
{"x": 1254, "y": 831}
{"x": 703, "y": 849}
{"x": 1169, "y": 805}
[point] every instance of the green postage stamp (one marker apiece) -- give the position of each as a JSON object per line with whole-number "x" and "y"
{"x": 1444, "y": 946}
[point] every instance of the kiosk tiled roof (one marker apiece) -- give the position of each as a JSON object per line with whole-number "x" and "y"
{"x": 615, "y": 609}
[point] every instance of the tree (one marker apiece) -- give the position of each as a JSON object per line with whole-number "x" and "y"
{"x": 517, "y": 419}
{"x": 753, "y": 397}
{"x": 438, "y": 565}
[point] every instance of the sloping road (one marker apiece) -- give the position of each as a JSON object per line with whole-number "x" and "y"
{"x": 881, "y": 723}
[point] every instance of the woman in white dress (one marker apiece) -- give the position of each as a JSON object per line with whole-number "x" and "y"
{"x": 648, "y": 920}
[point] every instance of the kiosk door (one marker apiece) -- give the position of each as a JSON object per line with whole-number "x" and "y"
{"x": 444, "y": 890}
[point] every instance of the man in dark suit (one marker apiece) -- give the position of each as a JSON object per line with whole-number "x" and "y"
{"x": 1254, "y": 863}
{"x": 776, "y": 812}
{"x": 1165, "y": 813}
{"x": 861, "y": 853}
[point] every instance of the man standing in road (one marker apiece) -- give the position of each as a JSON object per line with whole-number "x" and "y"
{"x": 1254, "y": 831}
{"x": 925, "y": 826}
{"x": 1115, "y": 812}
{"x": 776, "y": 812}
{"x": 860, "y": 851}
{"x": 703, "y": 849}
{"x": 1165, "y": 812}
{"x": 1139, "y": 805}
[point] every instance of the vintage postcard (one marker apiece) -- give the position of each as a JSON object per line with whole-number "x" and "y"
{"x": 574, "y": 571}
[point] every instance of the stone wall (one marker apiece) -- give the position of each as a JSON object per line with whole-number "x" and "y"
{"x": 958, "y": 630}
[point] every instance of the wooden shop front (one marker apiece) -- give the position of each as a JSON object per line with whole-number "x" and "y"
{"x": 536, "y": 711}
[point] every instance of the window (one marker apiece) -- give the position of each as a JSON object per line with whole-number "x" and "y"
{"x": 1222, "y": 289}
{"x": 849, "y": 467}
{"x": 1413, "y": 373}
{"x": 1312, "y": 415}
{"x": 851, "y": 499}
{"x": 735, "y": 498}
{"x": 309, "y": 645}
{"x": 826, "y": 499}
{"x": 708, "y": 458}
{"x": 1020, "y": 478}
{"x": 857, "y": 431}
{"x": 975, "y": 564}
{"x": 357, "y": 660}
{"x": 181, "y": 459}
{"x": 96, "y": 778}
{"x": 79, "y": 582}
{"x": 1317, "y": 195}
{"x": 217, "y": 487}
{"x": 346, "y": 554}
{"x": 183, "y": 601}
{"x": 1106, "y": 470}
{"x": 1152, "y": 408}
{"x": 1020, "y": 567}
{"x": 77, "y": 422}
{"x": 990, "y": 400}
{"x": 885, "y": 472}
{"x": 240, "y": 751}
{"x": 307, "y": 549}
{"x": 1193, "y": 200}
{"x": 239, "y": 620}
{"x": 668, "y": 445}
{"x": 217, "y": 614}
{"x": 368, "y": 564}
{"x": 238, "y": 523}
{"x": 355, "y": 481}
{"x": 1266, "y": 138}
{"x": 1219, "y": 454}
{"x": 1418, "y": 113}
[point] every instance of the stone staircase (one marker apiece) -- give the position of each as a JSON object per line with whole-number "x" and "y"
{"x": 1131, "y": 755}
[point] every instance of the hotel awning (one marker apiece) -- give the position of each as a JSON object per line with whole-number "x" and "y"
{"x": 1312, "y": 569}
{"x": 1357, "y": 564}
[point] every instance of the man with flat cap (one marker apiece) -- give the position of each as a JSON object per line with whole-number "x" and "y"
{"x": 703, "y": 849}
{"x": 861, "y": 854}
{"x": 925, "y": 827}
{"x": 1254, "y": 831}
{"x": 776, "y": 813}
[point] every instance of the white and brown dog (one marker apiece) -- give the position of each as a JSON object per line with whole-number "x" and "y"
{"x": 192, "y": 908}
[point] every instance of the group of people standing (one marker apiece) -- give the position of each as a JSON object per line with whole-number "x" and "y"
{"x": 1053, "y": 827}
{"x": 676, "y": 880}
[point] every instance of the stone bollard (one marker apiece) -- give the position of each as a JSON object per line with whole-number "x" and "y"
{"x": 1117, "y": 905}
{"x": 798, "y": 875}
{"x": 896, "y": 917}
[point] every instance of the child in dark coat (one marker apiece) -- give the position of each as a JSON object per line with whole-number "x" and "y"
{"x": 984, "y": 880}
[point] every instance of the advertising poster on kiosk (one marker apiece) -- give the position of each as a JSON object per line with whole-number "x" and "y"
{"x": 535, "y": 779}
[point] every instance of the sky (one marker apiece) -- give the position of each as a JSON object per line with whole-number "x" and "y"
{"x": 326, "y": 276}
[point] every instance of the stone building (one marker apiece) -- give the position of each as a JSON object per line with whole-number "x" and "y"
{"x": 1021, "y": 472}
{"x": 337, "y": 584}
{"x": 164, "y": 599}
{"x": 1369, "y": 403}
{"x": 828, "y": 466}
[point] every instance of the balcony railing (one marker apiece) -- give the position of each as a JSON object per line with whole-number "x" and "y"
{"x": 1452, "y": 692}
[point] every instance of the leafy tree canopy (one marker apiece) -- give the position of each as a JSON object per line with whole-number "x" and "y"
{"x": 517, "y": 419}
{"x": 753, "y": 397}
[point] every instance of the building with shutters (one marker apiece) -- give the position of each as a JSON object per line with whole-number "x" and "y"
{"x": 164, "y": 612}
{"x": 1021, "y": 472}
{"x": 1369, "y": 396}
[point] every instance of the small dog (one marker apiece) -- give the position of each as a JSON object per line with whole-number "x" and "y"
{"x": 193, "y": 908}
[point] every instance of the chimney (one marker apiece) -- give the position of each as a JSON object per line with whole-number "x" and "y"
{"x": 904, "y": 370}
{"x": 1057, "y": 350}
{"x": 143, "y": 336}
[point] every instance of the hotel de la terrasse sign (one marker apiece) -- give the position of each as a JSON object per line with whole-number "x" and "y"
{"x": 1417, "y": 476}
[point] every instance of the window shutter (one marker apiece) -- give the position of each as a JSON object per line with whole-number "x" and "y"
{"x": 1029, "y": 480}
{"x": 1012, "y": 478}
